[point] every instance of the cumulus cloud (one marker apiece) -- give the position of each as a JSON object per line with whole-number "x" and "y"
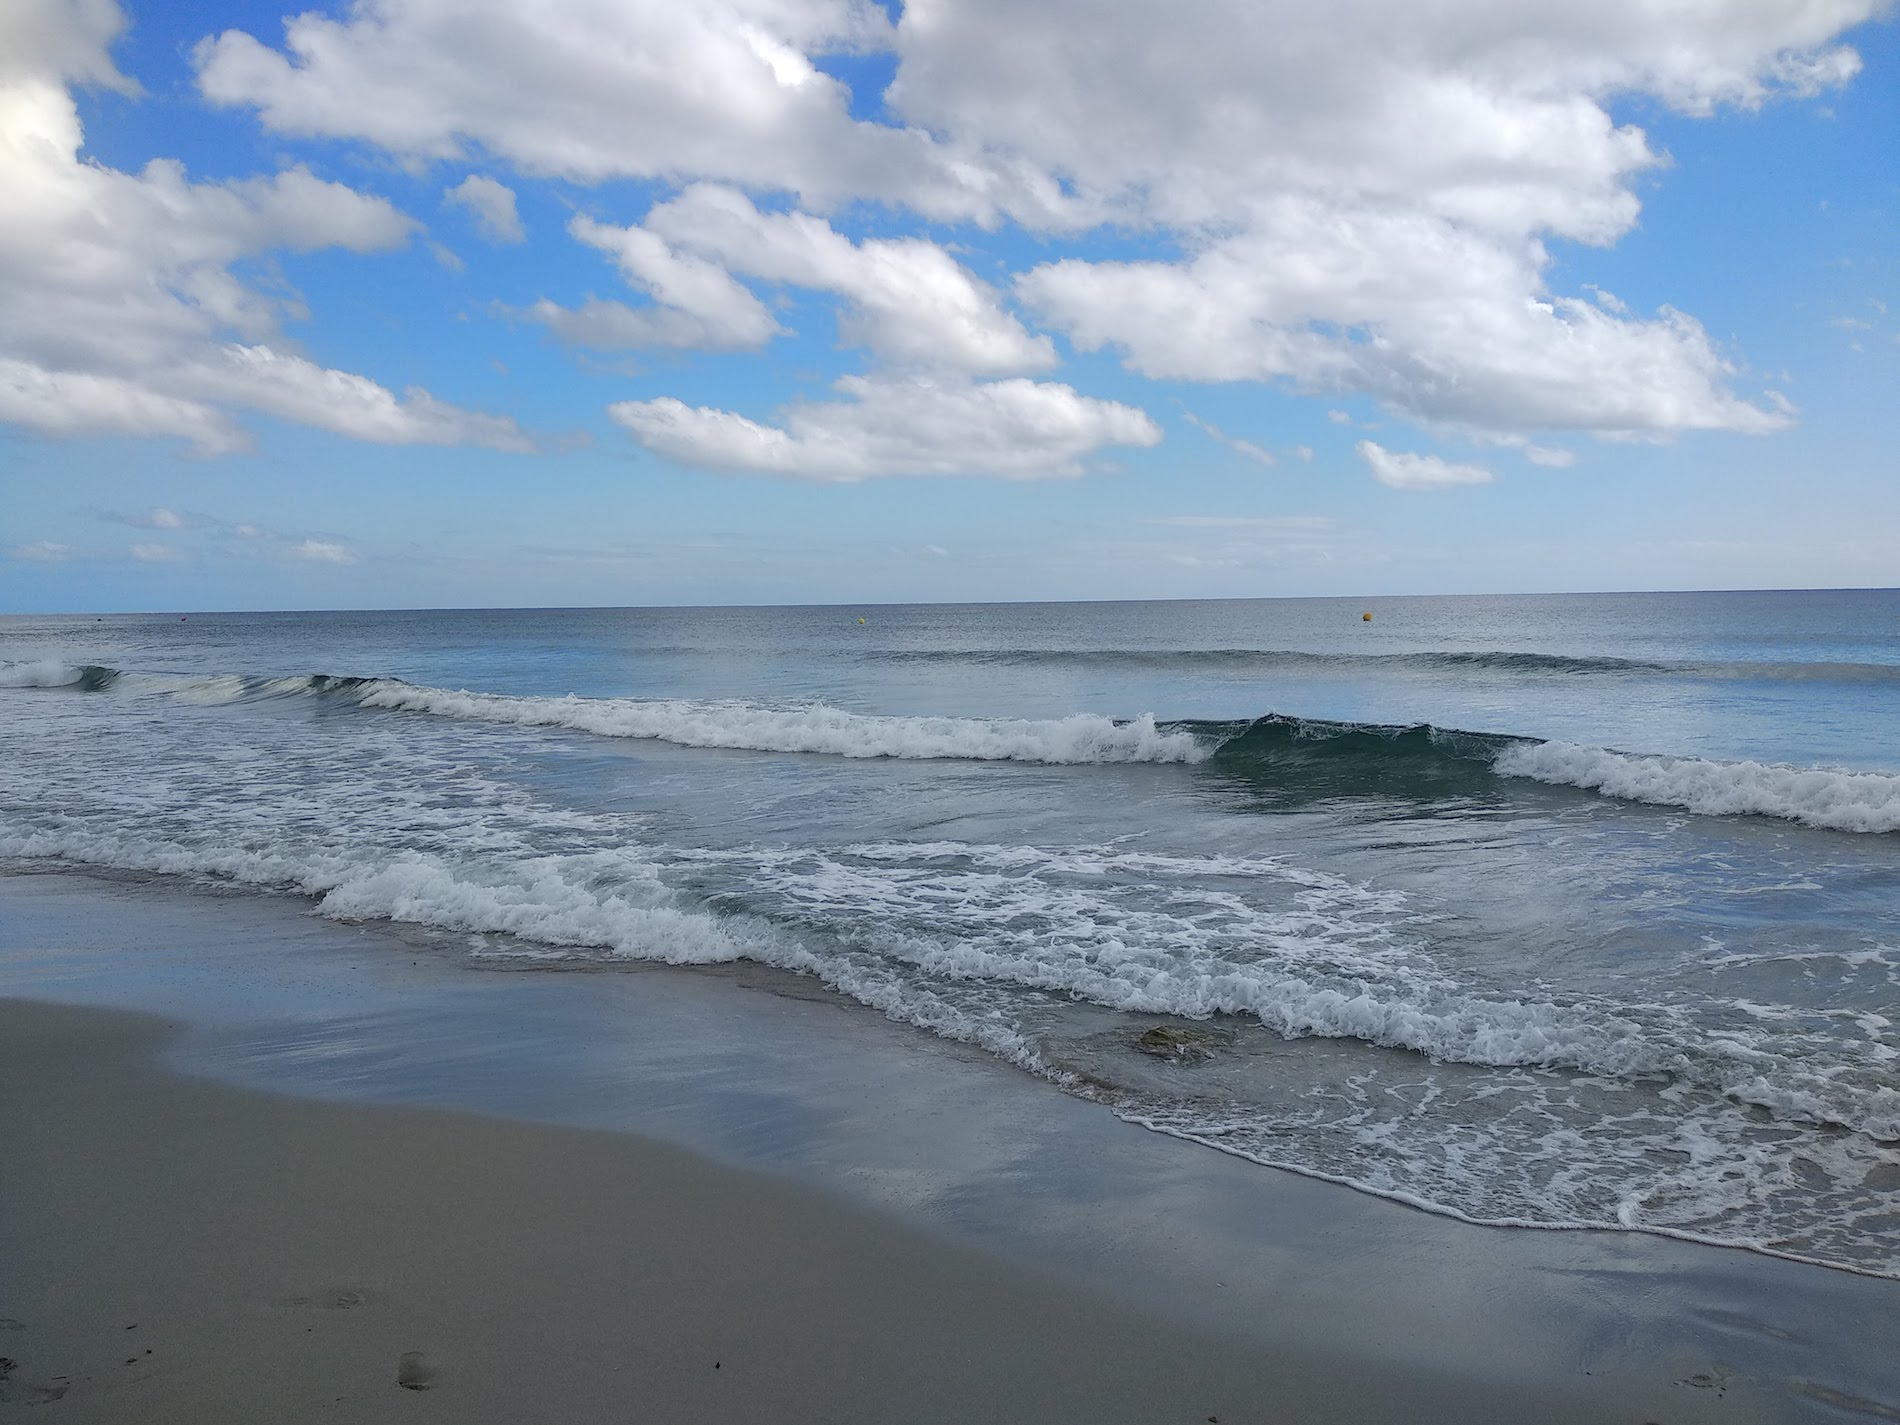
{"x": 83, "y": 403}
{"x": 124, "y": 316}
{"x": 907, "y": 299}
{"x": 593, "y": 90}
{"x": 1444, "y": 324}
{"x": 1361, "y": 195}
{"x": 910, "y": 301}
{"x": 156, "y": 554}
{"x": 493, "y": 206}
{"x": 1014, "y": 429}
{"x": 1487, "y": 114}
{"x": 693, "y": 301}
{"x": 1418, "y": 472}
{"x": 295, "y": 389}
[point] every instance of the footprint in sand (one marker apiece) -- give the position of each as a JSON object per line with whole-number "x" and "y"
{"x": 414, "y": 1373}
{"x": 12, "y": 1392}
{"x": 346, "y": 1298}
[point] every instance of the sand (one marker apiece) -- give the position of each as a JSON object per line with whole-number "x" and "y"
{"x": 787, "y": 1211}
{"x": 181, "y": 1251}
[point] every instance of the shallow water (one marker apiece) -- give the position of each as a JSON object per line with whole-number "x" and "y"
{"x": 1555, "y": 911}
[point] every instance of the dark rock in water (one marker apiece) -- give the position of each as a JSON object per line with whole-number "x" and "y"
{"x": 1167, "y": 1041}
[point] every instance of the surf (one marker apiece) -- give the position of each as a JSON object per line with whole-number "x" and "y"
{"x": 1285, "y": 757}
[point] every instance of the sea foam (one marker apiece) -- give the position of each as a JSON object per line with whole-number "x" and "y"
{"x": 1081, "y": 738}
{"x": 1815, "y": 796}
{"x": 42, "y": 673}
{"x": 1317, "y": 755}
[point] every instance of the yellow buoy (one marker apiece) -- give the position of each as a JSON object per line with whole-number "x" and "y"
{"x": 1363, "y": 618}
{"x": 1368, "y": 616}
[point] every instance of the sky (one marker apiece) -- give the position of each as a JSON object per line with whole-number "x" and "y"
{"x": 429, "y": 303}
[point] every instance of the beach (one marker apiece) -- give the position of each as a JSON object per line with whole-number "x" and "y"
{"x": 812, "y": 712}
{"x": 519, "y": 1196}
{"x": 179, "y": 1251}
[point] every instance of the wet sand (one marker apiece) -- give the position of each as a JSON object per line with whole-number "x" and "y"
{"x": 741, "y": 1205}
{"x": 181, "y": 1251}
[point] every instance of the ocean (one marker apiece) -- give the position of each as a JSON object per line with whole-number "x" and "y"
{"x": 1547, "y": 911}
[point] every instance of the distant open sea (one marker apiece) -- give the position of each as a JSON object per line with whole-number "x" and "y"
{"x": 1577, "y": 911}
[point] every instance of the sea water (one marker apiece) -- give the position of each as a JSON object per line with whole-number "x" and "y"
{"x": 1575, "y": 911}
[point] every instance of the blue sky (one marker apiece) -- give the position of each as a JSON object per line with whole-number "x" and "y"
{"x": 458, "y": 302}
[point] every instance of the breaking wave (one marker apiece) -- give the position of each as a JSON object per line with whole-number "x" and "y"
{"x": 1343, "y": 758}
{"x": 51, "y": 673}
{"x": 1082, "y": 738}
{"x": 1814, "y": 796}
{"x": 1285, "y": 756}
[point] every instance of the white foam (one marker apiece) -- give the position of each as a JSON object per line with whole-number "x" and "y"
{"x": 1082, "y": 738}
{"x": 43, "y": 673}
{"x": 1814, "y": 796}
{"x": 598, "y": 903}
{"x": 1319, "y": 959}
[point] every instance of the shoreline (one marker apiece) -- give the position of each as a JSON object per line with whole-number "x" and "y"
{"x": 1304, "y": 1299}
{"x": 200, "y": 1253}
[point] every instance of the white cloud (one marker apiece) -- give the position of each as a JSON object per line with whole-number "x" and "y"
{"x": 911, "y": 302}
{"x": 593, "y": 90}
{"x": 157, "y": 517}
{"x": 1258, "y": 454}
{"x": 1484, "y": 114}
{"x": 1362, "y": 195}
{"x": 294, "y": 389}
{"x": 1418, "y": 472}
{"x": 66, "y": 39}
{"x": 1015, "y": 429}
{"x": 1363, "y": 192}
{"x": 1550, "y": 456}
{"x": 908, "y": 300}
{"x": 156, "y": 554}
{"x": 1446, "y": 325}
{"x": 1339, "y": 418}
{"x": 493, "y": 207}
{"x": 318, "y": 551}
{"x": 696, "y": 303}
{"x": 124, "y": 316}
{"x": 41, "y": 551}
{"x": 80, "y": 403}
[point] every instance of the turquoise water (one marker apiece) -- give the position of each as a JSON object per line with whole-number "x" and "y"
{"x": 1554, "y": 911}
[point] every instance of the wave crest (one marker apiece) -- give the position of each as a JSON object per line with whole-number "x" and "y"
{"x": 1814, "y": 796}
{"x": 1080, "y": 738}
{"x": 1282, "y": 756}
{"x": 52, "y": 673}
